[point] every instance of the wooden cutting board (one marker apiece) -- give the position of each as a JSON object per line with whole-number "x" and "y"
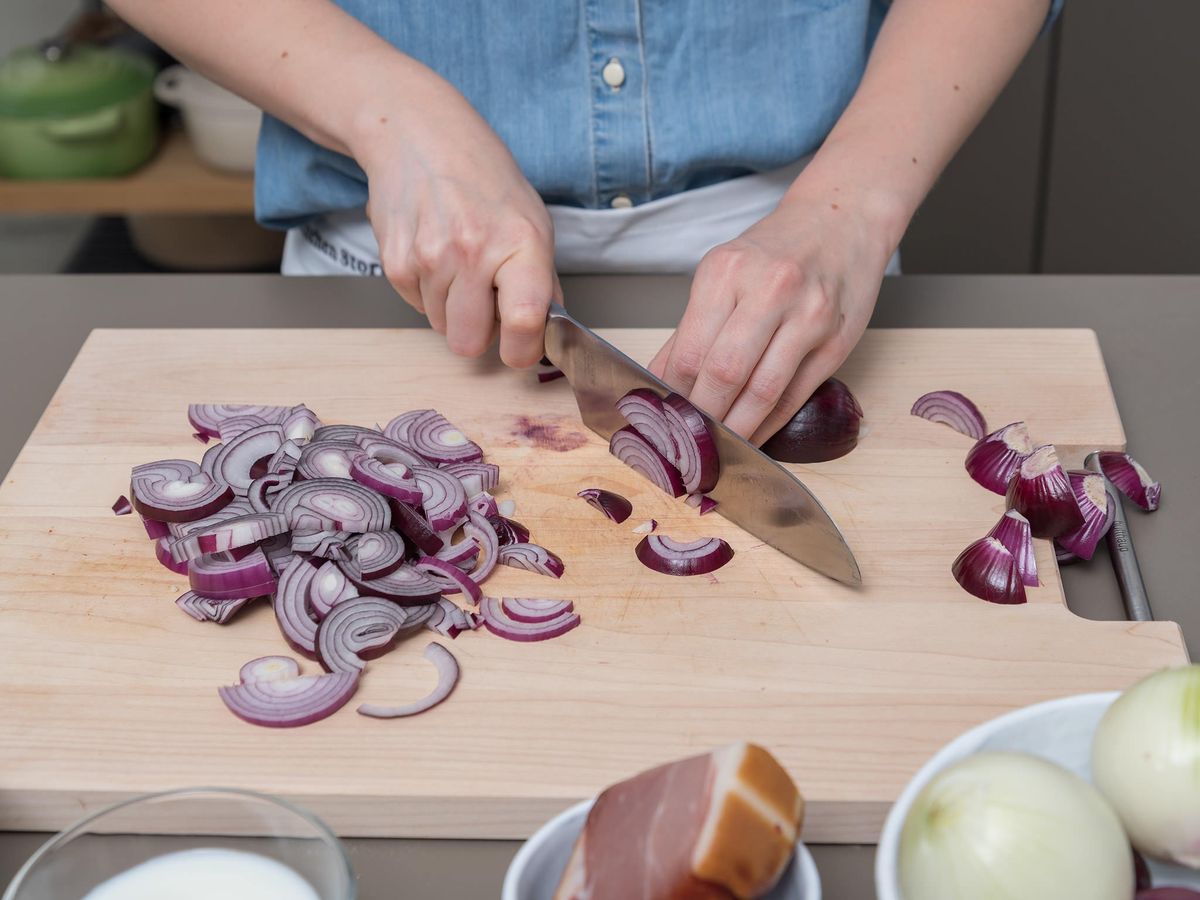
{"x": 109, "y": 689}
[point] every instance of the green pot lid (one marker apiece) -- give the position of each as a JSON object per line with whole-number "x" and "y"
{"x": 84, "y": 79}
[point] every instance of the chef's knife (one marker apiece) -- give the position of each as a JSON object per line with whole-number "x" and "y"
{"x": 754, "y": 491}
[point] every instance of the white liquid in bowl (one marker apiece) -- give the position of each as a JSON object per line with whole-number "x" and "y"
{"x": 206, "y": 874}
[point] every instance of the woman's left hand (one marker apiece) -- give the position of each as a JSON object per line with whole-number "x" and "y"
{"x": 774, "y": 312}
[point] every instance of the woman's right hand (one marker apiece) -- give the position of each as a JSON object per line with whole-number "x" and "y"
{"x": 463, "y": 237}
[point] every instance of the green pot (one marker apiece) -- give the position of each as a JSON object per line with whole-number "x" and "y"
{"x": 90, "y": 114}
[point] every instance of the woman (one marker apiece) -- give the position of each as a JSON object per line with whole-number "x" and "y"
{"x": 784, "y": 145}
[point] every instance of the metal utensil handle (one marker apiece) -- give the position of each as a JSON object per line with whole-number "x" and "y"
{"x": 1123, "y": 556}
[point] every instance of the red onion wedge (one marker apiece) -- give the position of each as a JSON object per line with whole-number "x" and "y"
{"x": 395, "y": 480}
{"x": 647, "y": 527}
{"x": 327, "y": 459}
{"x": 671, "y": 557}
{"x": 994, "y": 460}
{"x": 288, "y": 701}
{"x": 533, "y": 611}
{"x": 1013, "y": 532}
{"x": 476, "y": 477}
{"x": 328, "y": 588}
{"x": 379, "y": 553}
{"x": 445, "y": 501}
{"x": 953, "y": 409}
{"x": 300, "y": 424}
{"x": 988, "y": 571}
{"x": 202, "y": 609}
{"x": 696, "y": 451}
{"x": 639, "y": 454}
{"x": 827, "y": 426}
{"x": 643, "y": 410}
{"x": 616, "y": 507}
{"x": 407, "y": 586}
{"x": 359, "y": 629}
{"x": 162, "y": 550}
{"x": 207, "y": 418}
{"x": 122, "y": 506}
{"x": 448, "y": 672}
{"x": 509, "y": 531}
{"x": 532, "y": 558}
{"x": 1091, "y": 495}
{"x": 500, "y": 623}
{"x": 176, "y": 490}
{"x": 291, "y": 606}
{"x": 414, "y": 528}
{"x": 343, "y": 433}
{"x": 449, "y": 578}
{"x": 223, "y": 579}
{"x": 431, "y": 436}
{"x": 1128, "y": 477}
{"x": 333, "y": 504}
{"x": 236, "y": 462}
{"x": 1041, "y": 492}
{"x": 229, "y": 534}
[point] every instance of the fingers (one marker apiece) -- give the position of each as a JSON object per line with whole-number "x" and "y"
{"x": 709, "y": 306}
{"x": 659, "y": 363}
{"x": 815, "y": 368}
{"x": 470, "y": 314}
{"x": 733, "y": 356}
{"x": 434, "y": 288}
{"x": 771, "y": 377}
{"x": 525, "y": 284}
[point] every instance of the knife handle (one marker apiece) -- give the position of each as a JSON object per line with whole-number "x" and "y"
{"x": 1121, "y": 552}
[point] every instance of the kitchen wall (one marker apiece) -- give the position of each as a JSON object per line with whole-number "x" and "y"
{"x": 28, "y": 21}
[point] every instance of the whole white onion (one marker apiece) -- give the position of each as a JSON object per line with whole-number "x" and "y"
{"x": 1012, "y": 826}
{"x": 1146, "y": 761}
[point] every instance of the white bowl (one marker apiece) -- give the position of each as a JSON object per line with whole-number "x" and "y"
{"x": 221, "y": 126}
{"x": 1058, "y": 730}
{"x": 538, "y": 865}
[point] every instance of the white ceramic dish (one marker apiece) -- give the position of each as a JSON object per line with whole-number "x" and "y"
{"x": 221, "y": 126}
{"x": 538, "y": 865}
{"x": 1059, "y": 730}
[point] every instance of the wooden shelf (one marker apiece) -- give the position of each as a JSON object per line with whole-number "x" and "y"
{"x": 173, "y": 182}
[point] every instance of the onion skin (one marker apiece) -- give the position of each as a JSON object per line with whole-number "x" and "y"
{"x": 988, "y": 571}
{"x": 993, "y": 461}
{"x": 1146, "y": 761}
{"x": 1041, "y": 492}
{"x": 827, "y": 427}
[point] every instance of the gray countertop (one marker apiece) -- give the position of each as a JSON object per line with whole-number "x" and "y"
{"x": 1148, "y": 326}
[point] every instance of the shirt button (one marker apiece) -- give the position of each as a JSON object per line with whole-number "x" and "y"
{"x": 613, "y": 73}
{"x": 621, "y": 201}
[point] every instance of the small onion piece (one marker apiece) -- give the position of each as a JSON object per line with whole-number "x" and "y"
{"x": 225, "y": 579}
{"x": 202, "y": 609}
{"x": 1168, "y": 893}
{"x": 450, "y": 620}
{"x": 507, "y": 507}
{"x": 483, "y": 503}
{"x": 614, "y": 506}
{"x": 535, "y": 611}
{"x": 229, "y": 534}
{"x": 509, "y": 531}
{"x": 696, "y": 451}
{"x": 532, "y": 558}
{"x": 283, "y": 461}
{"x": 1098, "y": 511}
{"x": 414, "y": 528}
{"x": 1013, "y": 532}
{"x": 286, "y": 702}
{"x": 328, "y": 588}
{"x": 395, "y": 480}
{"x": 639, "y": 454}
{"x": 162, "y": 550}
{"x": 500, "y": 623}
{"x": 988, "y": 571}
{"x": 335, "y": 504}
{"x": 1063, "y": 556}
{"x": 379, "y": 553}
{"x": 449, "y": 578}
{"x": 1041, "y": 492}
{"x": 432, "y": 436}
{"x": 994, "y": 460}
{"x": 300, "y": 424}
{"x": 671, "y": 557}
{"x": 445, "y": 501}
{"x": 550, "y": 374}
{"x": 647, "y": 527}
{"x": 291, "y": 606}
{"x": 488, "y": 475}
{"x": 1128, "y": 477}
{"x": 707, "y": 504}
{"x": 953, "y": 409}
{"x": 323, "y": 544}
{"x": 827, "y": 426}
{"x": 261, "y": 490}
{"x": 359, "y": 629}
{"x": 202, "y": 438}
{"x": 448, "y": 672}
{"x": 643, "y": 410}
{"x": 122, "y": 506}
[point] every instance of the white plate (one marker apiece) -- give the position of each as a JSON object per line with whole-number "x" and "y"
{"x": 1059, "y": 730}
{"x": 538, "y": 865}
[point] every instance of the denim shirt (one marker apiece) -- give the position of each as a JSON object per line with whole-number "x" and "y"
{"x": 607, "y": 100}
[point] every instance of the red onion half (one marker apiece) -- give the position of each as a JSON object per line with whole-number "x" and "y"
{"x": 826, "y": 427}
{"x": 994, "y": 460}
{"x": 448, "y": 672}
{"x": 499, "y": 622}
{"x": 1091, "y": 495}
{"x": 988, "y": 571}
{"x": 1128, "y": 477}
{"x": 953, "y": 409}
{"x": 1013, "y": 532}
{"x": 616, "y": 507}
{"x": 285, "y": 702}
{"x": 671, "y": 557}
{"x": 532, "y": 558}
{"x": 639, "y": 454}
{"x": 696, "y": 457}
{"x": 1041, "y": 492}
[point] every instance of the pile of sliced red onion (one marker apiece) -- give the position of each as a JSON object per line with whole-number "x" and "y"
{"x": 1072, "y": 508}
{"x": 354, "y": 535}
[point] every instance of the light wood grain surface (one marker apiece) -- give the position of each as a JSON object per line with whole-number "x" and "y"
{"x": 111, "y": 690}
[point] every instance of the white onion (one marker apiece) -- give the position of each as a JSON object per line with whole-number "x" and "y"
{"x": 1146, "y": 761}
{"x": 1012, "y": 826}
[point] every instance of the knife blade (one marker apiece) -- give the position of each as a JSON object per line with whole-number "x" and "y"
{"x": 754, "y": 492}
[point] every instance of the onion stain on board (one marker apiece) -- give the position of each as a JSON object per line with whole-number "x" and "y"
{"x": 549, "y": 435}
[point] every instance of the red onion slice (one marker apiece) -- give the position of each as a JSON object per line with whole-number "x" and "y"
{"x": 284, "y": 460}
{"x": 395, "y": 480}
{"x": 379, "y": 553}
{"x": 323, "y": 544}
{"x": 237, "y": 461}
{"x": 208, "y": 460}
{"x": 262, "y": 490}
{"x": 614, "y": 506}
{"x": 532, "y": 558}
{"x": 1041, "y": 492}
{"x": 1091, "y": 496}
{"x": 224, "y": 579}
{"x": 509, "y": 531}
{"x": 643, "y": 410}
{"x": 827, "y": 426}
{"x": 122, "y": 506}
{"x": 237, "y": 507}
{"x": 449, "y": 619}
{"x": 176, "y": 490}
{"x": 333, "y": 504}
{"x": 447, "y": 669}
{"x": 359, "y": 629}
{"x": 953, "y": 409}
{"x": 207, "y": 418}
{"x": 994, "y": 460}
{"x": 482, "y": 476}
{"x": 340, "y": 433}
{"x": 432, "y": 436}
{"x": 327, "y": 459}
{"x": 639, "y": 454}
{"x": 328, "y": 588}
{"x": 449, "y": 578}
{"x": 535, "y": 611}
{"x": 229, "y": 534}
{"x": 415, "y": 529}
{"x": 1128, "y": 477}
{"x": 671, "y": 557}
{"x": 202, "y": 609}
{"x": 500, "y": 623}
{"x": 279, "y": 702}
{"x": 406, "y": 586}
{"x": 1013, "y": 532}
{"x": 386, "y": 450}
{"x": 300, "y": 424}
{"x": 290, "y": 603}
{"x": 697, "y": 459}
{"x": 988, "y": 571}
{"x": 463, "y": 554}
{"x": 481, "y": 531}
{"x": 269, "y": 668}
{"x": 236, "y": 425}
{"x": 445, "y": 501}
{"x": 398, "y": 428}
{"x": 162, "y": 550}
